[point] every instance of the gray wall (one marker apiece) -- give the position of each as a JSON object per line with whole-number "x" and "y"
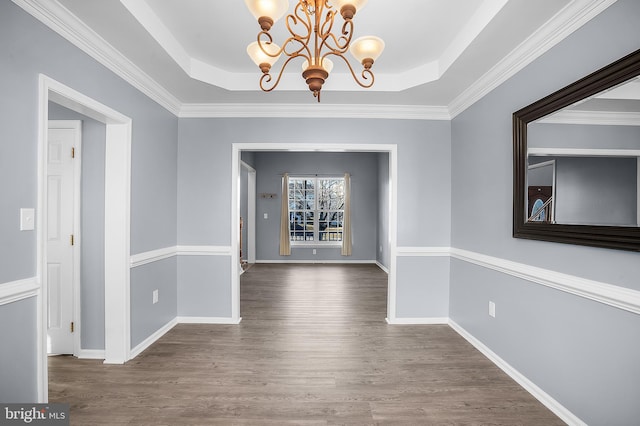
{"x": 18, "y": 375}
{"x": 147, "y": 317}
{"x": 28, "y": 48}
{"x": 596, "y": 191}
{"x": 580, "y": 352}
{"x": 92, "y": 225}
{"x": 204, "y": 286}
{"x": 364, "y": 201}
{"x": 540, "y": 176}
{"x": 581, "y": 136}
{"x": 204, "y": 190}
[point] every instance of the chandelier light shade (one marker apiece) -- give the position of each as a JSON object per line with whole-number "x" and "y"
{"x": 367, "y": 49}
{"x": 351, "y": 6}
{"x": 264, "y": 56}
{"x": 267, "y": 12}
{"x": 313, "y": 38}
{"x": 327, "y": 64}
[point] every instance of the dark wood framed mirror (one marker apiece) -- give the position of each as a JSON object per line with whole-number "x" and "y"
{"x": 607, "y": 100}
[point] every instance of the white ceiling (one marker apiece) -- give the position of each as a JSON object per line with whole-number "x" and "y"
{"x": 440, "y": 56}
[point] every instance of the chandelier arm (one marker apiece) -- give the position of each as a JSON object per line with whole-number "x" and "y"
{"x": 266, "y": 78}
{"x": 300, "y": 16}
{"x": 268, "y": 40}
{"x": 327, "y": 27}
{"x": 298, "y": 52}
{"x": 339, "y": 44}
{"x": 312, "y": 37}
{"x": 291, "y": 22}
{"x": 366, "y": 73}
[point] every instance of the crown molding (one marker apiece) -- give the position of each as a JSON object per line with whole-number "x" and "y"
{"x": 583, "y": 152}
{"x": 66, "y": 24}
{"x": 602, "y": 118}
{"x": 573, "y": 16}
{"x": 397, "y": 112}
{"x": 229, "y": 80}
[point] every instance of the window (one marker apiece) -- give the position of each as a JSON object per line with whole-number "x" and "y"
{"x": 316, "y": 210}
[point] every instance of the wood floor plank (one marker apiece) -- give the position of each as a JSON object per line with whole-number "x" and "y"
{"x": 313, "y": 348}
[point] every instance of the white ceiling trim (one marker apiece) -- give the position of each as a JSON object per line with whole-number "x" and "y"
{"x": 602, "y": 118}
{"x": 573, "y": 16}
{"x": 483, "y": 16}
{"x": 63, "y": 22}
{"x": 398, "y": 112}
{"x": 586, "y": 152}
{"x": 291, "y": 81}
{"x": 66, "y": 24}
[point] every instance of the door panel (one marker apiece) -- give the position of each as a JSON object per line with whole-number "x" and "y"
{"x": 60, "y": 230}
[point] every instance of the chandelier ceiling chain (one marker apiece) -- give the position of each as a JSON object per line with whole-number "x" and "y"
{"x": 312, "y": 38}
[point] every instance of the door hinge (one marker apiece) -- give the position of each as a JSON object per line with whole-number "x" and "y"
{"x": 72, "y": 326}
{"x": 73, "y": 152}
{"x": 72, "y": 239}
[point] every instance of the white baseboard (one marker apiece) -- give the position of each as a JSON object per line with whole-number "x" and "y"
{"x": 421, "y": 321}
{"x": 91, "y": 354}
{"x": 208, "y": 320}
{"x": 553, "y": 405}
{"x": 381, "y": 266}
{"x": 338, "y": 261}
{"x": 152, "y": 339}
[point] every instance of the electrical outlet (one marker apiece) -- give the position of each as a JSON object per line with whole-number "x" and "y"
{"x": 266, "y": 216}
{"x": 155, "y": 296}
{"x": 492, "y": 309}
{"x": 314, "y": 251}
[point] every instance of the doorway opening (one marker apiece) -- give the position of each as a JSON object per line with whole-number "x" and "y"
{"x": 117, "y": 221}
{"x": 391, "y": 213}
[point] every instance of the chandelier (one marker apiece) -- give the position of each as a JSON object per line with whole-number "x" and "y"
{"x": 312, "y": 38}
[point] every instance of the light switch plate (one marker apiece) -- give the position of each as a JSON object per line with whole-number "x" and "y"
{"x": 27, "y": 219}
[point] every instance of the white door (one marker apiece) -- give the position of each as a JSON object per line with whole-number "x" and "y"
{"x": 62, "y": 205}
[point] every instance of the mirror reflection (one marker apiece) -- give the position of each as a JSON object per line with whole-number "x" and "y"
{"x": 583, "y": 161}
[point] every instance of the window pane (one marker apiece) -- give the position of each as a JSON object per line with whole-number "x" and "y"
{"x": 331, "y": 194}
{"x": 312, "y": 200}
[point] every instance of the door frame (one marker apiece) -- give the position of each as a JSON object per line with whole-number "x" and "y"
{"x": 237, "y": 148}
{"x": 117, "y": 222}
{"x": 251, "y": 211}
{"x": 76, "y": 315}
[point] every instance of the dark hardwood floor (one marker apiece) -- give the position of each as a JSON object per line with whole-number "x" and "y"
{"x": 313, "y": 348}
